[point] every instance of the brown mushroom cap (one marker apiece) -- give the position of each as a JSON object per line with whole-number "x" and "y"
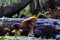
{"x": 6, "y": 30}
{"x": 33, "y": 19}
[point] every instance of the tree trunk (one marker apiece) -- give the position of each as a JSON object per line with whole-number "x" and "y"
{"x": 52, "y": 4}
{"x": 34, "y": 10}
{"x": 38, "y": 8}
{"x": 32, "y": 7}
{"x": 10, "y": 10}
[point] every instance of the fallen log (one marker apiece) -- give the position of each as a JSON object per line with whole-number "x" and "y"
{"x": 10, "y": 10}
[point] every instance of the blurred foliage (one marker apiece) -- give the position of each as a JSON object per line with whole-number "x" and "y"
{"x": 42, "y": 16}
{"x": 6, "y": 2}
{"x": 0, "y": 25}
{"x": 59, "y": 18}
{"x": 26, "y": 11}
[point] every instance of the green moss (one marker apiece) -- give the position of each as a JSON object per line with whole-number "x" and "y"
{"x": 42, "y": 16}
{"x": 13, "y": 37}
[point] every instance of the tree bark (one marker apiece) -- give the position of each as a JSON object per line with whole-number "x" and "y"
{"x": 34, "y": 10}
{"x": 51, "y": 4}
{"x": 10, "y": 10}
{"x": 38, "y": 8}
{"x": 32, "y": 7}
